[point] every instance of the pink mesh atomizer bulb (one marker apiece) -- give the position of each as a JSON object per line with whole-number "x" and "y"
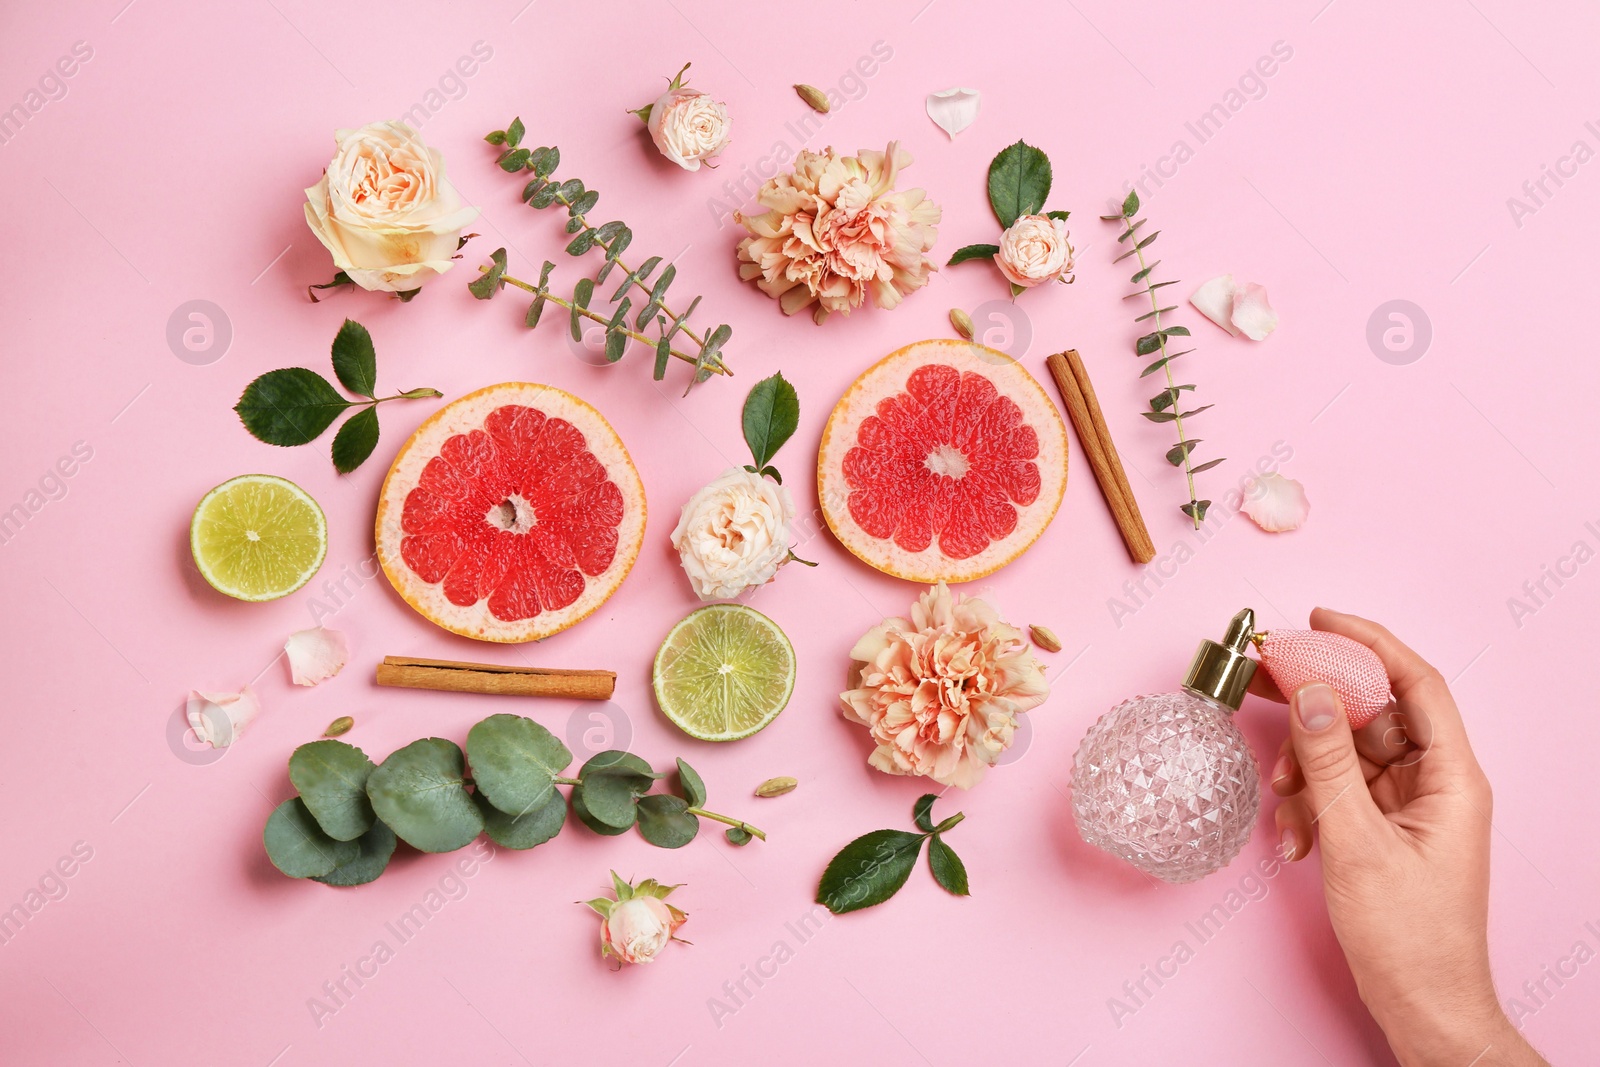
{"x": 1297, "y": 657}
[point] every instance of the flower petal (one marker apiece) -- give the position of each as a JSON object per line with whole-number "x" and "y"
{"x": 1214, "y": 300}
{"x": 219, "y": 718}
{"x": 316, "y": 655}
{"x": 953, "y": 110}
{"x": 1251, "y": 314}
{"x": 1276, "y": 503}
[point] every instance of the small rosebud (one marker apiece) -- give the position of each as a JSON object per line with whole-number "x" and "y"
{"x": 1045, "y": 639}
{"x": 962, "y": 322}
{"x": 776, "y": 787}
{"x": 815, "y": 98}
{"x": 638, "y": 922}
{"x": 338, "y": 726}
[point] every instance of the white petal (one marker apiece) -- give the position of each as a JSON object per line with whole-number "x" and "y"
{"x": 1252, "y": 314}
{"x": 219, "y": 718}
{"x": 1276, "y": 503}
{"x": 1214, "y": 300}
{"x": 953, "y": 110}
{"x": 316, "y": 655}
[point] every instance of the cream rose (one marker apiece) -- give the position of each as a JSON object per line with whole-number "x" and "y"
{"x": 733, "y": 535}
{"x": 385, "y": 210}
{"x": 1034, "y": 250}
{"x": 688, "y": 126}
{"x": 637, "y": 929}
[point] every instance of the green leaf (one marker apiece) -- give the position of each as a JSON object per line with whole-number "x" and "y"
{"x": 582, "y": 812}
{"x": 1176, "y": 331}
{"x": 488, "y": 283}
{"x": 1196, "y": 509}
{"x": 1145, "y": 273}
{"x": 331, "y": 777}
{"x": 738, "y": 835}
{"x": 355, "y": 440}
{"x": 1130, "y": 204}
{"x": 973, "y": 252}
{"x": 543, "y": 198}
{"x": 297, "y": 846}
{"x": 665, "y": 822}
{"x": 612, "y": 783}
{"x": 495, "y": 137}
{"x": 1159, "y": 416}
{"x": 1167, "y": 397}
{"x": 693, "y": 786}
{"x": 1019, "y": 182}
{"x": 869, "y": 870}
{"x": 514, "y": 762}
{"x": 1198, "y": 410}
{"x": 659, "y": 291}
{"x": 1177, "y": 453}
{"x": 372, "y": 859}
{"x": 574, "y": 224}
{"x": 290, "y": 406}
{"x": 535, "y": 309}
{"x": 585, "y": 203}
{"x": 581, "y": 244}
{"x": 514, "y": 132}
{"x": 771, "y": 415}
{"x": 616, "y": 344}
{"x": 581, "y": 294}
{"x": 1154, "y": 312}
{"x": 544, "y": 161}
{"x": 1207, "y": 465}
{"x": 922, "y": 812}
{"x": 354, "y": 359}
{"x": 772, "y": 472}
{"x": 1060, "y": 215}
{"x": 419, "y": 791}
{"x": 947, "y": 868}
{"x": 1147, "y": 344}
{"x": 663, "y": 353}
{"x": 339, "y": 279}
{"x": 534, "y": 185}
{"x": 527, "y": 830}
{"x": 514, "y": 160}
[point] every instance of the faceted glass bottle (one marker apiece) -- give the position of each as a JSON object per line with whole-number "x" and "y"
{"x": 1167, "y": 782}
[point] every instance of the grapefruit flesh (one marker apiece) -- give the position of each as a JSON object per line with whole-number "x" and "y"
{"x": 943, "y": 462}
{"x": 510, "y": 514}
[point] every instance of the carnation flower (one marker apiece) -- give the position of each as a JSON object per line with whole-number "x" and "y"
{"x": 940, "y": 693}
{"x": 836, "y": 234}
{"x": 637, "y": 925}
{"x": 733, "y": 535}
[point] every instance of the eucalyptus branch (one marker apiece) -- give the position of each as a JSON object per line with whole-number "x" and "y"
{"x": 1164, "y": 406}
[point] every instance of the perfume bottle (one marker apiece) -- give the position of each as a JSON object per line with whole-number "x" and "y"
{"x": 1167, "y": 782}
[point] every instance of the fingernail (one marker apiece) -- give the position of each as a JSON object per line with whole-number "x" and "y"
{"x": 1286, "y": 846}
{"x": 1280, "y": 770}
{"x": 1314, "y": 704}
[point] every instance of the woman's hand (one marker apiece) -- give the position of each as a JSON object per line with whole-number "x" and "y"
{"x": 1402, "y": 810}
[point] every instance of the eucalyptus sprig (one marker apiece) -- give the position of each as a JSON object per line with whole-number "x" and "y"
{"x": 342, "y": 827}
{"x": 612, "y": 238}
{"x": 1019, "y": 183}
{"x": 873, "y": 867}
{"x": 1166, "y": 405}
{"x": 293, "y": 406}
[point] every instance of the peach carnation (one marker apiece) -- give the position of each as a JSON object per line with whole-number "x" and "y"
{"x": 941, "y": 693}
{"x": 836, "y": 233}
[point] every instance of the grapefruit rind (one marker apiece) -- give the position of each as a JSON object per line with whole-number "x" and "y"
{"x": 888, "y": 377}
{"x": 463, "y": 416}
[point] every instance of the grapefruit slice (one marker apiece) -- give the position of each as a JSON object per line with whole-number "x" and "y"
{"x": 943, "y": 462}
{"x": 510, "y": 514}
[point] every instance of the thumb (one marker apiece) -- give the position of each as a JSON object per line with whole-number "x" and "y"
{"x": 1335, "y": 788}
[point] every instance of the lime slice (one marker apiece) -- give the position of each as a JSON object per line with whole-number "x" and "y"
{"x": 257, "y": 537}
{"x": 724, "y": 672}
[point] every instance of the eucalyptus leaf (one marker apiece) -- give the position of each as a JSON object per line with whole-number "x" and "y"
{"x": 581, "y": 810}
{"x": 693, "y": 786}
{"x": 665, "y": 822}
{"x": 514, "y": 762}
{"x": 355, "y": 360}
{"x": 1196, "y": 509}
{"x": 1207, "y": 465}
{"x": 616, "y": 344}
{"x": 372, "y": 859}
{"x": 581, "y": 243}
{"x": 738, "y": 835}
{"x": 488, "y": 283}
{"x": 771, "y": 416}
{"x": 297, "y": 846}
{"x": 331, "y": 777}
{"x": 421, "y": 793}
{"x": 535, "y": 827}
{"x": 514, "y": 132}
{"x": 947, "y": 868}
{"x": 1019, "y": 182}
{"x": 291, "y": 406}
{"x": 544, "y": 161}
{"x": 356, "y": 439}
{"x": 869, "y": 870}
{"x": 585, "y": 203}
{"x": 663, "y": 353}
{"x": 611, "y": 784}
{"x": 1180, "y": 451}
{"x": 1130, "y": 204}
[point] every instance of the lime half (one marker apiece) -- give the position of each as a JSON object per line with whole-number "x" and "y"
{"x": 724, "y": 672}
{"x": 257, "y": 537}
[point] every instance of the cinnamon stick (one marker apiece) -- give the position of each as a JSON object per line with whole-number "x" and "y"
{"x": 453, "y": 677}
{"x": 1083, "y": 408}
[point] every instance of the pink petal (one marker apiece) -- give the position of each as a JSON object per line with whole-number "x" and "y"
{"x": 1214, "y": 300}
{"x": 316, "y": 655}
{"x": 953, "y": 110}
{"x": 1251, "y": 314}
{"x": 219, "y": 718}
{"x": 1276, "y": 503}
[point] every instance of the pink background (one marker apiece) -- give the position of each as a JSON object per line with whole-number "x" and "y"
{"x": 1376, "y": 166}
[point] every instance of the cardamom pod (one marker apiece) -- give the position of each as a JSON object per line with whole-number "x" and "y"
{"x": 776, "y": 787}
{"x": 338, "y": 726}
{"x": 815, "y": 98}
{"x": 962, "y": 322}
{"x": 1044, "y": 639}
